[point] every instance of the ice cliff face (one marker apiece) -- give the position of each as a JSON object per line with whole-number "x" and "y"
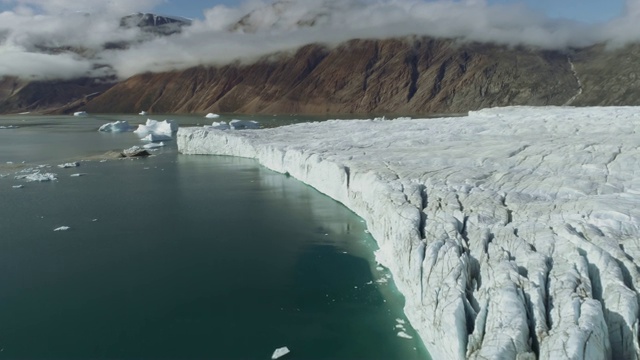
{"x": 513, "y": 232}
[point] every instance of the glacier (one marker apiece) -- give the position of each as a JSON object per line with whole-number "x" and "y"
{"x": 511, "y": 232}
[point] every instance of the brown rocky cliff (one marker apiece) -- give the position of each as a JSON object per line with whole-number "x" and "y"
{"x": 402, "y": 76}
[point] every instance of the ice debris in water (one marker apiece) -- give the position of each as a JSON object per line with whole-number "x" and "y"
{"x": 37, "y": 176}
{"x": 156, "y": 137}
{"x": 212, "y": 116}
{"x": 116, "y": 127}
{"x": 62, "y": 228}
{"x": 18, "y": 186}
{"x": 9, "y": 127}
{"x": 69, "y": 165}
{"x": 280, "y": 352}
{"x": 80, "y": 113}
{"x": 233, "y": 125}
{"x": 153, "y": 145}
{"x": 404, "y": 335}
{"x": 77, "y": 175}
{"x": 142, "y": 112}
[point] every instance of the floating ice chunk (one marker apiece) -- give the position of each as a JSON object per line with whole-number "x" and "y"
{"x": 218, "y": 126}
{"x": 9, "y": 127}
{"x": 77, "y": 175}
{"x": 404, "y": 335}
{"x": 62, "y": 228}
{"x": 155, "y": 127}
{"x": 142, "y": 112}
{"x": 212, "y": 116}
{"x": 116, "y": 127}
{"x": 135, "y": 151}
{"x": 9, "y": 162}
{"x": 280, "y": 352}
{"x": 80, "y": 113}
{"x": 156, "y": 137}
{"x": 244, "y": 124}
{"x": 400, "y": 321}
{"x": 37, "y": 176}
{"x": 153, "y": 145}
{"x": 69, "y": 165}
{"x": 18, "y": 186}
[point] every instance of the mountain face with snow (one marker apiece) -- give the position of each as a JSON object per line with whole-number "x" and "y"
{"x": 513, "y": 233}
{"x": 161, "y": 24}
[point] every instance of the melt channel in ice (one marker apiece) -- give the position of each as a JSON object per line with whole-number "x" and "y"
{"x": 512, "y": 232}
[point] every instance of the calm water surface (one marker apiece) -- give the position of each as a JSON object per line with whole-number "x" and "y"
{"x": 179, "y": 256}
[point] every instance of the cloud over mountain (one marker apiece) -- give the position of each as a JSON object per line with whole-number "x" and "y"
{"x": 36, "y": 36}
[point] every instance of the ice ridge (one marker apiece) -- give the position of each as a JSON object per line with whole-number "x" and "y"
{"x": 512, "y": 233}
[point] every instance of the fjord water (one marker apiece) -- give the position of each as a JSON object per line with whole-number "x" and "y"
{"x": 178, "y": 256}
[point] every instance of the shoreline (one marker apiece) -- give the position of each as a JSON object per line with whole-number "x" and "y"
{"x": 489, "y": 223}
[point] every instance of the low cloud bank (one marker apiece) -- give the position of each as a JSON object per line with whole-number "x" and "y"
{"x": 36, "y": 36}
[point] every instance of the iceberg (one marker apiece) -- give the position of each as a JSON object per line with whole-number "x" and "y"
{"x": 153, "y": 145}
{"x": 280, "y": 352}
{"x": 142, "y": 113}
{"x": 212, "y": 116}
{"x": 62, "y": 228}
{"x": 154, "y": 130}
{"x": 80, "y": 113}
{"x": 511, "y": 232}
{"x": 116, "y": 127}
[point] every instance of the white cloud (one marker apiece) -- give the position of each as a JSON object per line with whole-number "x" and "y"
{"x": 286, "y": 25}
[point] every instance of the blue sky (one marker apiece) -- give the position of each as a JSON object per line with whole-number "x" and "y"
{"x": 582, "y": 10}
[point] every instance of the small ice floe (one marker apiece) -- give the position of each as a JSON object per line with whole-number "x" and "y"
{"x": 280, "y": 352}
{"x": 103, "y": 161}
{"x": 400, "y": 321}
{"x": 156, "y": 137}
{"x": 153, "y": 145}
{"x": 9, "y": 162}
{"x": 37, "y": 176}
{"x": 94, "y": 220}
{"x": 116, "y": 127}
{"x": 234, "y": 125}
{"x": 62, "y": 228}
{"x": 404, "y": 335}
{"x": 80, "y": 113}
{"x": 142, "y": 112}
{"x": 69, "y": 165}
{"x": 77, "y": 174}
{"x": 18, "y": 186}
{"x": 9, "y": 127}
{"x": 212, "y": 116}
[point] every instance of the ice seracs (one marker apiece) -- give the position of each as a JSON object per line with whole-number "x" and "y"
{"x": 512, "y": 232}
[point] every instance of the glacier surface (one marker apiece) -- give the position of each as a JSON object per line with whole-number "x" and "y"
{"x": 512, "y": 232}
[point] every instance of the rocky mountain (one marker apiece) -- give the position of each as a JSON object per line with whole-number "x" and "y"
{"x": 416, "y": 75}
{"x": 394, "y": 76}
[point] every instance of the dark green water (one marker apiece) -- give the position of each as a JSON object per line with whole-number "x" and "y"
{"x": 179, "y": 256}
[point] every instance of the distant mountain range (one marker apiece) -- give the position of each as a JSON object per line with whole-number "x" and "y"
{"x": 409, "y": 75}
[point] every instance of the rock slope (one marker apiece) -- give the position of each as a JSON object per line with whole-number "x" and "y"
{"x": 402, "y": 76}
{"x": 513, "y": 232}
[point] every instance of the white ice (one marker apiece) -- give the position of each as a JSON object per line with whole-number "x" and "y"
{"x": 280, "y": 352}
{"x": 212, "y": 116}
{"x": 80, "y": 113}
{"x": 37, "y": 176}
{"x": 154, "y": 130}
{"x": 18, "y": 186}
{"x": 233, "y": 125}
{"x": 116, "y": 127}
{"x": 77, "y": 175}
{"x": 69, "y": 165}
{"x": 62, "y": 228}
{"x": 512, "y": 232}
{"x": 9, "y": 127}
{"x": 142, "y": 113}
{"x": 153, "y": 145}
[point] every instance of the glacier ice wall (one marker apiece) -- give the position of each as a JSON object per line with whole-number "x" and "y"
{"x": 513, "y": 232}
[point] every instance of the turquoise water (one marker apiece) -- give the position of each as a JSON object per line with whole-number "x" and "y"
{"x": 178, "y": 256}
